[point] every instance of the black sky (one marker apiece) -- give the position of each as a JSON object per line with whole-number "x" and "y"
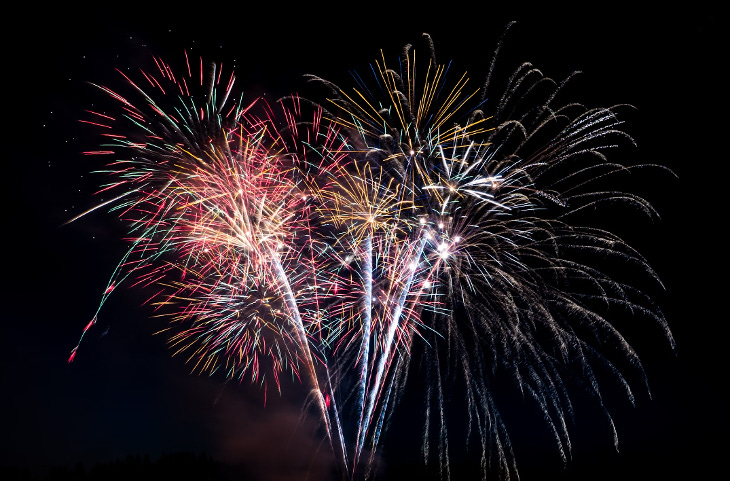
{"x": 125, "y": 395}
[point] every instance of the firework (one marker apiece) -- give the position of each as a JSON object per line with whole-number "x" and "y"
{"x": 410, "y": 215}
{"x": 484, "y": 259}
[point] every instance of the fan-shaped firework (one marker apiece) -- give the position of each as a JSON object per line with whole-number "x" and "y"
{"x": 410, "y": 212}
{"x": 492, "y": 251}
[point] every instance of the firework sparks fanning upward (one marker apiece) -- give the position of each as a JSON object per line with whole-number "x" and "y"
{"x": 410, "y": 214}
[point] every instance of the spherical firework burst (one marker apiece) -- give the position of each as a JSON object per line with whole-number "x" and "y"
{"x": 219, "y": 218}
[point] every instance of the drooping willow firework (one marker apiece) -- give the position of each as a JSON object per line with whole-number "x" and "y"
{"x": 410, "y": 215}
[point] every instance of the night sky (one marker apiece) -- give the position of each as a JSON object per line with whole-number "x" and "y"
{"x": 124, "y": 394}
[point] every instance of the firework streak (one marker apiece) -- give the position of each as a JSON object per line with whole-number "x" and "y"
{"x": 409, "y": 215}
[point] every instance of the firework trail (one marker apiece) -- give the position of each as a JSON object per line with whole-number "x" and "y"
{"x": 410, "y": 216}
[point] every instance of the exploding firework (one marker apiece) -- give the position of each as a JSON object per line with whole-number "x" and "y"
{"x": 411, "y": 215}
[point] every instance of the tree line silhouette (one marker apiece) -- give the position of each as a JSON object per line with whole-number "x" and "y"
{"x": 178, "y": 466}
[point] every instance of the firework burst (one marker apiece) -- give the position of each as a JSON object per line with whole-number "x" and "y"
{"x": 409, "y": 214}
{"x": 492, "y": 274}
